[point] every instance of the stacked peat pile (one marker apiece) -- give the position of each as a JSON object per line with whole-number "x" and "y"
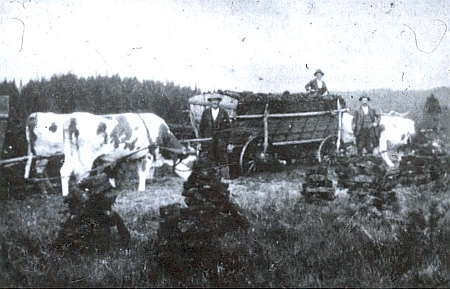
{"x": 319, "y": 185}
{"x": 367, "y": 180}
{"x": 368, "y": 176}
{"x": 255, "y": 103}
{"x": 89, "y": 218}
{"x": 190, "y": 241}
{"x": 360, "y": 172}
{"x": 429, "y": 163}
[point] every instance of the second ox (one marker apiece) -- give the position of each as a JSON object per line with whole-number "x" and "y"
{"x": 395, "y": 131}
{"x": 143, "y": 137}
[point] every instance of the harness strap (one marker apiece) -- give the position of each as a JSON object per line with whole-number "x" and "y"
{"x": 151, "y": 145}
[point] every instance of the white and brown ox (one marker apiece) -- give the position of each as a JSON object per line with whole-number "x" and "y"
{"x": 44, "y": 134}
{"x": 145, "y": 138}
{"x": 396, "y": 131}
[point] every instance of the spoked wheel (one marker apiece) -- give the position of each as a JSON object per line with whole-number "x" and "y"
{"x": 327, "y": 151}
{"x": 253, "y": 158}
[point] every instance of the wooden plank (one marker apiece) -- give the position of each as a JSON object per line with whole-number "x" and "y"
{"x": 320, "y": 190}
{"x": 288, "y": 115}
{"x": 301, "y": 141}
{"x": 24, "y": 158}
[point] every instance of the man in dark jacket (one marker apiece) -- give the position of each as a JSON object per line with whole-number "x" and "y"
{"x": 215, "y": 123}
{"x": 365, "y": 126}
{"x": 317, "y": 86}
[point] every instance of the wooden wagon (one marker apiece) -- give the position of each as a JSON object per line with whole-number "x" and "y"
{"x": 270, "y": 127}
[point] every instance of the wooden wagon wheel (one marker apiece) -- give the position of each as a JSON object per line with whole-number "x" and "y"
{"x": 252, "y": 156}
{"x": 327, "y": 149}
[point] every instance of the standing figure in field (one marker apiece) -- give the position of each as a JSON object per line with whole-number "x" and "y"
{"x": 215, "y": 123}
{"x": 317, "y": 86}
{"x": 365, "y": 126}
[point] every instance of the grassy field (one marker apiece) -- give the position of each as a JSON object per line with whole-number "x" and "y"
{"x": 291, "y": 242}
{"x": 341, "y": 243}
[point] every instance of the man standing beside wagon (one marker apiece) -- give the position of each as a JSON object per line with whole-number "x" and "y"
{"x": 365, "y": 126}
{"x": 215, "y": 123}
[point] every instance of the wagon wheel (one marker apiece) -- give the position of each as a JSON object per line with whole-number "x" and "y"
{"x": 252, "y": 157}
{"x": 327, "y": 150}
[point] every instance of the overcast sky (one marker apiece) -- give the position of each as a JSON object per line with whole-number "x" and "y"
{"x": 242, "y": 45}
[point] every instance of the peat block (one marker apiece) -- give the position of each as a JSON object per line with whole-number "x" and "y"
{"x": 318, "y": 186}
{"x": 89, "y": 217}
{"x": 189, "y": 239}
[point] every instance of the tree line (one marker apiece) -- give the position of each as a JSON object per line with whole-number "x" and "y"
{"x": 99, "y": 95}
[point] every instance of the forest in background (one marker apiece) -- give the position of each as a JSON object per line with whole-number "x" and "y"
{"x": 99, "y": 95}
{"x": 112, "y": 94}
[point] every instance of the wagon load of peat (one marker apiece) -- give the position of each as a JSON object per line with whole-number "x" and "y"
{"x": 192, "y": 242}
{"x": 255, "y": 103}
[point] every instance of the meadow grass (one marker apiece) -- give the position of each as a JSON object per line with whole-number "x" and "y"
{"x": 291, "y": 243}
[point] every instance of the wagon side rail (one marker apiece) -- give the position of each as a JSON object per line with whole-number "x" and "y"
{"x": 267, "y": 116}
{"x": 256, "y": 150}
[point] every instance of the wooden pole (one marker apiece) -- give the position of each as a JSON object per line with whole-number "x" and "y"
{"x": 266, "y": 128}
{"x": 18, "y": 159}
{"x": 195, "y": 140}
{"x": 283, "y": 115}
{"x": 339, "y": 125}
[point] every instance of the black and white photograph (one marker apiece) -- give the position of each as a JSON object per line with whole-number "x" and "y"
{"x": 225, "y": 143}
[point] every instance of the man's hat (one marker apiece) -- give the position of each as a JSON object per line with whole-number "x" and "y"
{"x": 364, "y": 96}
{"x": 318, "y": 71}
{"x": 214, "y": 96}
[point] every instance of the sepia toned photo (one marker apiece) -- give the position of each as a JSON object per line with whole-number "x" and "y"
{"x": 251, "y": 143}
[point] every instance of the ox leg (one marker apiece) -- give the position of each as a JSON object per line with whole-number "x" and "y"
{"x": 65, "y": 172}
{"x": 144, "y": 166}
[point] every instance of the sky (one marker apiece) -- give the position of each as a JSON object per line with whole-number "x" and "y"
{"x": 241, "y": 45}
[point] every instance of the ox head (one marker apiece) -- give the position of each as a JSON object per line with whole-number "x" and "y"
{"x": 184, "y": 163}
{"x": 182, "y": 157}
{"x": 397, "y": 133}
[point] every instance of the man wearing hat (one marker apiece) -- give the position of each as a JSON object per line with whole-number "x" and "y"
{"x": 215, "y": 123}
{"x": 317, "y": 85}
{"x": 365, "y": 126}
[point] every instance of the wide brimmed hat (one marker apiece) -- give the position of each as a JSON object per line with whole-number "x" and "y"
{"x": 319, "y": 71}
{"x": 214, "y": 96}
{"x": 364, "y": 96}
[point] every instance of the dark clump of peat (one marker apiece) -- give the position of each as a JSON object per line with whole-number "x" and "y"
{"x": 87, "y": 224}
{"x": 207, "y": 242}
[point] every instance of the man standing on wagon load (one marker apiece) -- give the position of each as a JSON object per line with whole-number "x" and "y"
{"x": 365, "y": 126}
{"x": 317, "y": 85}
{"x": 215, "y": 123}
